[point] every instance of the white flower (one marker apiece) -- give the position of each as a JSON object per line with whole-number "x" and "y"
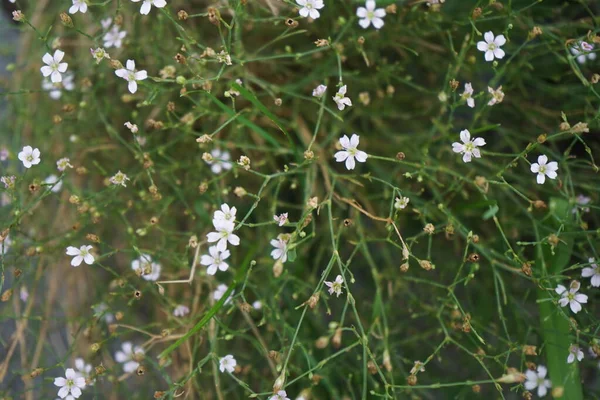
{"x": 220, "y": 291}
{"x": 132, "y": 127}
{"x": 220, "y": 161}
{"x": 224, "y": 233}
{"x": 29, "y": 156}
{"x": 491, "y": 46}
{"x": 114, "y": 37}
{"x": 350, "y": 154}
{"x": 341, "y": 100}
{"x": 129, "y": 356}
{"x": 370, "y": 15}
{"x": 571, "y": 297}
{"x": 580, "y": 202}
{"x": 54, "y": 182}
{"x": 281, "y": 219}
{"x": 4, "y": 154}
{"x": 82, "y": 369}
{"x": 227, "y": 363}
{"x": 147, "y": 5}
{"x": 335, "y": 286}
{"x": 55, "y": 89}
{"x": 401, "y": 203}
{"x": 544, "y": 168}
{"x": 497, "y": 95}
{"x": 54, "y": 68}
{"x": 119, "y": 179}
{"x": 310, "y": 8}
{"x": 9, "y": 182}
{"x": 181, "y": 311}
{"x": 101, "y": 310}
{"x": 280, "y": 251}
{"x": 63, "y": 164}
{"x": 257, "y": 305}
{"x": 319, "y": 91}
{"x": 78, "y": 5}
{"x": 582, "y": 52}
{"x": 23, "y": 294}
{"x": 281, "y": 395}
{"x": 468, "y": 148}
{"x": 79, "y": 255}
{"x": 131, "y": 76}
{"x": 214, "y": 260}
{"x": 225, "y": 214}
{"x": 538, "y": 380}
{"x": 99, "y": 54}
{"x": 574, "y": 351}
{"x": 592, "y": 271}
{"x": 146, "y": 268}
{"x": 106, "y": 23}
{"x": 71, "y": 384}
{"x": 468, "y": 95}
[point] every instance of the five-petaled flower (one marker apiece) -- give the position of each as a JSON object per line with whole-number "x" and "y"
{"x": 491, "y": 46}
{"x": 80, "y": 255}
{"x": 224, "y": 233}
{"x": 592, "y": 272}
{"x": 84, "y": 370}
{"x": 220, "y": 292}
{"x": 78, "y": 5}
{"x": 335, "y": 286}
{"x": 131, "y": 75}
{"x": 319, "y": 91}
{"x": 310, "y": 8}
{"x": 544, "y": 169}
{"x": 369, "y": 15}
{"x": 54, "y": 67}
{"x": 574, "y": 352}
{"x": 571, "y": 297}
{"x": 71, "y": 384}
{"x": 29, "y": 156}
{"x": 350, "y": 154}
{"x": 225, "y": 214}
{"x": 538, "y": 380}
{"x": 583, "y": 52}
{"x": 281, "y": 219}
{"x": 468, "y": 148}
{"x": 181, "y": 311}
{"x": 497, "y": 95}
{"x": 341, "y": 100}
{"x": 214, "y": 260}
{"x": 114, "y": 37}
{"x": 129, "y": 356}
{"x": 280, "y": 395}
{"x": 220, "y": 161}
{"x": 468, "y": 95}
{"x": 147, "y": 5}
{"x": 99, "y": 54}
{"x": 281, "y": 248}
{"x": 401, "y": 203}
{"x": 146, "y": 267}
{"x": 227, "y": 363}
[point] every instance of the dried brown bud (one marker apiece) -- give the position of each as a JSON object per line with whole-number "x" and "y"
{"x": 529, "y": 350}
{"x": 292, "y": 23}
{"x": 426, "y": 265}
{"x": 36, "y": 372}
{"x": 137, "y": 294}
{"x": 412, "y": 380}
{"x": 476, "y": 388}
{"x": 322, "y": 42}
{"x": 182, "y": 15}
{"x": 595, "y": 78}
{"x": 473, "y": 257}
{"x": 203, "y": 187}
{"x": 322, "y": 342}
{"x": 6, "y": 295}
{"x": 348, "y": 222}
{"x": 429, "y": 229}
{"x": 360, "y": 40}
{"x": 214, "y": 16}
{"x": 371, "y": 367}
{"x": 400, "y": 156}
{"x": 180, "y": 58}
{"x": 391, "y": 9}
{"x": 336, "y": 341}
{"x": 564, "y": 126}
{"x": 404, "y": 267}
{"x": 66, "y": 20}
{"x": 56, "y": 119}
{"x": 278, "y": 102}
{"x": 119, "y": 315}
{"x": 535, "y": 32}
{"x": 158, "y": 394}
{"x": 454, "y": 84}
{"x": 542, "y": 138}
{"x": 309, "y": 155}
{"x": 539, "y": 204}
{"x": 553, "y": 240}
{"x": 170, "y": 106}
{"x": 115, "y": 64}
{"x": 482, "y": 183}
{"x": 245, "y": 307}
{"x": 476, "y": 13}
{"x": 141, "y": 370}
{"x": 475, "y": 239}
{"x": 313, "y": 300}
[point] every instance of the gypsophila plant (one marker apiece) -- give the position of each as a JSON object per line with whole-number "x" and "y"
{"x": 300, "y": 199}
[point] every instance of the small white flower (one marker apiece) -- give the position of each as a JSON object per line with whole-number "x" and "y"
{"x": 70, "y": 384}
{"x": 131, "y": 75}
{"x": 54, "y": 182}
{"x": 101, "y": 310}
{"x": 592, "y": 272}
{"x": 340, "y": 98}
{"x": 78, "y": 5}
{"x": 132, "y": 127}
{"x": 63, "y": 164}
{"x": 497, "y": 96}
{"x": 544, "y": 168}
{"x": 106, "y": 23}
{"x": 574, "y": 352}
{"x": 281, "y": 219}
{"x": 4, "y": 154}
{"x": 538, "y": 380}
{"x": 335, "y": 286}
{"x": 99, "y": 54}
{"x": 257, "y": 305}
{"x": 571, "y": 297}
{"x": 146, "y": 268}
{"x": 8, "y": 181}
{"x": 350, "y": 154}
{"x": 468, "y": 148}
{"x": 582, "y": 52}
{"x": 401, "y": 203}
{"x": 29, "y": 156}
{"x": 224, "y": 57}
{"x": 319, "y": 91}
{"x": 80, "y": 255}
{"x": 181, "y": 311}
{"x": 280, "y": 250}
{"x": 221, "y": 161}
{"x": 114, "y": 38}
{"x": 129, "y": 356}
{"x": 225, "y": 214}
{"x": 119, "y": 179}
{"x": 23, "y": 294}
{"x": 214, "y": 260}
{"x": 220, "y": 291}
{"x": 580, "y": 202}
{"x": 369, "y": 15}
{"x": 147, "y": 5}
{"x": 55, "y": 89}
{"x": 280, "y": 395}
{"x": 227, "y": 363}
{"x": 309, "y": 8}
{"x": 468, "y": 95}
{"x": 224, "y": 233}
{"x": 491, "y": 46}
{"x": 82, "y": 369}
{"x": 54, "y": 67}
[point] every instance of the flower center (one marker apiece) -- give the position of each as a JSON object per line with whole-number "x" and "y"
{"x": 70, "y": 382}
{"x": 469, "y": 147}
{"x": 131, "y": 76}
{"x": 543, "y": 171}
{"x": 30, "y": 158}
{"x": 571, "y": 296}
{"x": 309, "y": 6}
{"x": 492, "y": 46}
{"x": 352, "y": 151}
{"x": 370, "y": 15}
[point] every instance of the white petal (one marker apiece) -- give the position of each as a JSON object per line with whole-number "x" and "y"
{"x": 499, "y": 53}
{"x": 354, "y": 141}
{"x": 303, "y": 12}
{"x": 46, "y": 70}
{"x": 542, "y": 160}
{"x": 350, "y": 163}
{"x": 489, "y": 55}
{"x": 130, "y": 64}
{"x": 535, "y": 168}
{"x": 76, "y": 261}
{"x": 72, "y": 251}
{"x": 542, "y": 371}
{"x": 314, "y": 14}
{"x": 56, "y": 77}
{"x": 58, "y": 56}
{"x": 141, "y": 75}
{"x": 370, "y": 5}
{"x": 361, "y": 156}
{"x": 48, "y": 59}
{"x": 132, "y": 86}
{"x": 364, "y": 23}
{"x": 575, "y": 306}
{"x": 488, "y": 36}
{"x": 482, "y": 46}
{"x": 377, "y": 23}
{"x": 465, "y": 136}
{"x": 361, "y": 12}
{"x": 541, "y": 178}
{"x": 145, "y": 8}
{"x": 500, "y": 40}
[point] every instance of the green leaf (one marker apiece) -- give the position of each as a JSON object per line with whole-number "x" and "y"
{"x": 291, "y": 255}
{"x": 491, "y": 212}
